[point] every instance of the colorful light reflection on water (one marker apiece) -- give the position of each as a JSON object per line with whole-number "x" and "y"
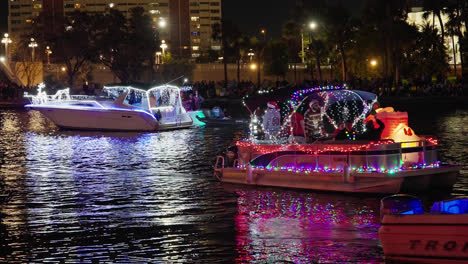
{"x": 151, "y": 198}
{"x": 301, "y": 227}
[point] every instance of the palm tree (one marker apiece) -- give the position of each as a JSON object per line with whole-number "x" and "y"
{"x": 340, "y": 30}
{"x": 436, "y": 8}
{"x": 454, "y": 26}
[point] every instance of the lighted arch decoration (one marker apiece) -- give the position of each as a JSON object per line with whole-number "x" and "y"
{"x": 337, "y": 103}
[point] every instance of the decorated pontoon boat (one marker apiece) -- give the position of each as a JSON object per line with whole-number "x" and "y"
{"x": 399, "y": 161}
{"x": 122, "y": 108}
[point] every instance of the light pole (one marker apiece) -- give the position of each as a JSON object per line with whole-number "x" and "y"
{"x": 32, "y": 45}
{"x": 263, "y": 32}
{"x": 250, "y": 54}
{"x": 158, "y": 57}
{"x": 312, "y": 27}
{"x": 163, "y": 47}
{"x": 6, "y": 40}
{"x": 48, "y": 51}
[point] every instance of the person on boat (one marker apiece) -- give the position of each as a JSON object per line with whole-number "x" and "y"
{"x": 230, "y": 156}
{"x": 313, "y": 121}
{"x": 341, "y": 126}
{"x": 271, "y": 120}
{"x": 297, "y": 128}
{"x": 347, "y": 133}
{"x": 255, "y": 124}
{"x": 374, "y": 129}
{"x": 192, "y": 102}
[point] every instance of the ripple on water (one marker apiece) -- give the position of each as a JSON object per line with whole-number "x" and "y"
{"x": 150, "y": 197}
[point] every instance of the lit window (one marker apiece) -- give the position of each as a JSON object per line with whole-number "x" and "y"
{"x": 195, "y": 19}
{"x": 195, "y": 48}
{"x": 77, "y": 5}
{"x": 216, "y": 47}
{"x": 195, "y": 55}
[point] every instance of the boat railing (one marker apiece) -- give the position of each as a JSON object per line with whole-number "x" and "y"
{"x": 377, "y": 158}
{"x": 218, "y": 168}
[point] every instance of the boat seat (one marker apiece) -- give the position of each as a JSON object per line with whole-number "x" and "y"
{"x": 454, "y": 206}
{"x": 265, "y": 159}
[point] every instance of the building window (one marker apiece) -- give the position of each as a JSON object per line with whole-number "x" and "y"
{"x": 195, "y": 33}
{"x": 216, "y": 47}
{"x": 214, "y": 11}
{"x": 37, "y": 6}
{"x": 69, "y": 6}
{"x": 195, "y": 55}
{"x": 195, "y": 47}
{"x": 163, "y": 4}
{"x": 214, "y": 4}
{"x": 194, "y": 19}
{"x": 194, "y": 11}
{"x": 215, "y": 18}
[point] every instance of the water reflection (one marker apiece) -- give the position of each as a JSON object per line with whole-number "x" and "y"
{"x": 304, "y": 227}
{"x": 79, "y": 196}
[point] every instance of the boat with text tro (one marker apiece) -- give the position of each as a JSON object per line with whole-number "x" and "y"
{"x": 400, "y": 161}
{"x": 409, "y": 235}
{"x": 121, "y": 108}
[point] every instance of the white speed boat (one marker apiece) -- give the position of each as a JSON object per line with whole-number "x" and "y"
{"x": 122, "y": 108}
{"x": 410, "y": 235}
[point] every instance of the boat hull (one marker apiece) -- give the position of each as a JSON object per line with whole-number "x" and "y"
{"x": 336, "y": 181}
{"x": 99, "y": 119}
{"x": 425, "y": 238}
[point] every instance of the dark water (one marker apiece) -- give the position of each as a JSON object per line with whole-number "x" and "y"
{"x": 94, "y": 197}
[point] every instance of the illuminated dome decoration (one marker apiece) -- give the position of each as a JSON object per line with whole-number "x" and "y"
{"x": 336, "y": 106}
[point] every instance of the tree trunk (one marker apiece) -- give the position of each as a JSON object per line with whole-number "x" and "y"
{"x": 238, "y": 70}
{"x": 442, "y": 31}
{"x": 454, "y": 56}
{"x": 343, "y": 63}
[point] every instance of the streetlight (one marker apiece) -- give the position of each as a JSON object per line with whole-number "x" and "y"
{"x": 253, "y": 66}
{"x": 162, "y": 23}
{"x": 163, "y": 47}
{"x": 312, "y": 25}
{"x": 48, "y": 51}
{"x": 32, "y": 45}
{"x": 373, "y": 63}
{"x": 2, "y": 59}
{"x": 6, "y": 40}
{"x": 250, "y": 54}
{"x": 263, "y": 32}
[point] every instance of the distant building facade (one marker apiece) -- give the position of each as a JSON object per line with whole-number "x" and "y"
{"x": 185, "y": 25}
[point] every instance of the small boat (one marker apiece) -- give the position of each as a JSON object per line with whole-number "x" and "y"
{"x": 408, "y": 235}
{"x": 402, "y": 161}
{"x": 123, "y": 108}
{"x": 215, "y": 117}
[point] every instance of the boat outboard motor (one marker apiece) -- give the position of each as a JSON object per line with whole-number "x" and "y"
{"x": 402, "y": 204}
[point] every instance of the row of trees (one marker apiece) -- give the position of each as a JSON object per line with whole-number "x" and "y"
{"x": 127, "y": 46}
{"x": 338, "y": 41}
{"x": 346, "y": 44}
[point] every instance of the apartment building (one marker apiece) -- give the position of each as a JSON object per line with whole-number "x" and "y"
{"x": 185, "y": 25}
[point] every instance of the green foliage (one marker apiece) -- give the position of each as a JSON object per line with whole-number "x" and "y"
{"x": 276, "y": 58}
{"x": 128, "y": 46}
